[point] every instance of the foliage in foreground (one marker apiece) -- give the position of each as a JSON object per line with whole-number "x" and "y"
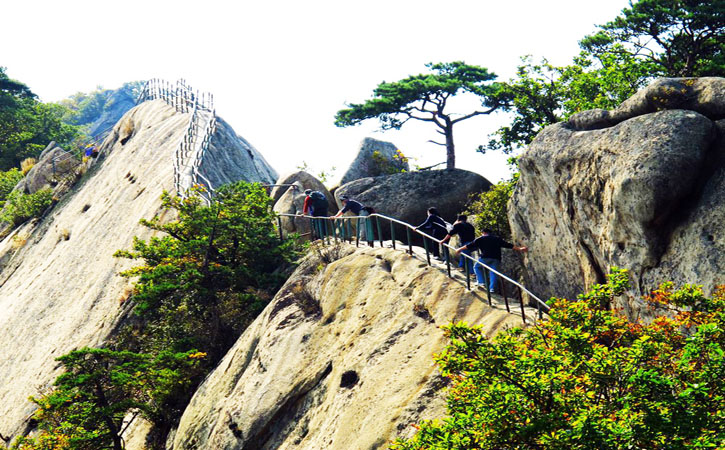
{"x": 589, "y": 379}
{"x": 210, "y": 273}
{"x": 20, "y": 207}
{"x": 199, "y": 285}
{"x": 87, "y": 407}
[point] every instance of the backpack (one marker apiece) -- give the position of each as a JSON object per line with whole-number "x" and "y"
{"x": 319, "y": 201}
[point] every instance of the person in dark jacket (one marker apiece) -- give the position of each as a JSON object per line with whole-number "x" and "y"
{"x": 435, "y": 226}
{"x": 489, "y": 247}
{"x": 356, "y": 209}
{"x": 466, "y": 234}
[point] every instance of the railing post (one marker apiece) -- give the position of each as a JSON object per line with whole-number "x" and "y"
{"x": 313, "y": 229}
{"x": 468, "y": 272}
{"x": 425, "y": 244}
{"x": 523, "y": 313}
{"x": 392, "y": 234}
{"x": 448, "y": 260}
{"x": 487, "y": 279}
{"x": 410, "y": 242}
{"x": 503, "y": 292}
{"x": 380, "y": 231}
{"x": 357, "y": 233}
{"x": 279, "y": 226}
{"x": 348, "y": 234}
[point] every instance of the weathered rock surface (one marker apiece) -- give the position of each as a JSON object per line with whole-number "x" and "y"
{"x": 59, "y": 285}
{"x": 407, "y": 196}
{"x": 242, "y": 160}
{"x": 366, "y": 164}
{"x": 292, "y": 202}
{"x": 704, "y": 95}
{"x": 117, "y": 104}
{"x": 307, "y": 181}
{"x": 340, "y": 359}
{"x": 646, "y": 194}
{"x": 53, "y": 166}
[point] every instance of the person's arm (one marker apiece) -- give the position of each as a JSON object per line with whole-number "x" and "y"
{"x": 446, "y": 239}
{"x": 460, "y": 249}
{"x": 522, "y": 248}
{"x": 425, "y": 224}
{"x": 306, "y": 205}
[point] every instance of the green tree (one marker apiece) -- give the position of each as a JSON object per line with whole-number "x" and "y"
{"x": 100, "y": 387}
{"x": 210, "y": 273}
{"x": 20, "y": 207}
{"x": 650, "y": 39}
{"x": 425, "y": 97}
{"x": 490, "y": 209}
{"x": 8, "y": 180}
{"x": 588, "y": 378}
{"x": 680, "y": 38}
{"x": 28, "y": 125}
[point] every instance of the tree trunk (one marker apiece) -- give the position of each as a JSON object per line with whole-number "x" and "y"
{"x": 450, "y": 148}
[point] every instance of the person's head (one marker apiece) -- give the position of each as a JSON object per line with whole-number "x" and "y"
{"x": 462, "y": 218}
{"x": 308, "y": 192}
{"x": 433, "y": 212}
{"x": 487, "y": 231}
{"x": 344, "y": 199}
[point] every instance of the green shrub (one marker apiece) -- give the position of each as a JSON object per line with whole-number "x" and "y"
{"x": 88, "y": 403}
{"x": 8, "y": 180}
{"x": 20, "y": 207}
{"x": 490, "y": 209}
{"x": 588, "y": 378}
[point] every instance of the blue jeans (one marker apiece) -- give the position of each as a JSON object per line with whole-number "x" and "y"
{"x": 462, "y": 260}
{"x": 492, "y": 263}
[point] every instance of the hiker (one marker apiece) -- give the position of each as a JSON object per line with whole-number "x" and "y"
{"x": 489, "y": 247}
{"x": 466, "y": 234}
{"x": 435, "y": 226}
{"x": 316, "y": 206}
{"x": 356, "y": 208}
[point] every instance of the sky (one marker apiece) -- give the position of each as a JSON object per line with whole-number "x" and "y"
{"x": 280, "y": 70}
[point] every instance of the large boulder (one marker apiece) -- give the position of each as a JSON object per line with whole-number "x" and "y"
{"x": 54, "y": 165}
{"x": 407, "y": 196}
{"x": 341, "y": 358}
{"x": 292, "y": 202}
{"x": 306, "y": 181}
{"x": 646, "y": 193}
{"x": 375, "y": 158}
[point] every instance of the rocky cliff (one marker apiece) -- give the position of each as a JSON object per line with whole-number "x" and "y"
{"x": 340, "y": 359}
{"x": 59, "y": 283}
{"x": 641, "y": 187}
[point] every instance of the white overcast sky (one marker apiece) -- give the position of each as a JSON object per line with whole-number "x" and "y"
{"x": 279, "y": 70}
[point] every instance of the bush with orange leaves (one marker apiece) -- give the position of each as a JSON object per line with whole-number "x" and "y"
{"x": 589, "y": 378}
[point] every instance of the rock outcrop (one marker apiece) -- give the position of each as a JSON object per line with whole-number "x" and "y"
{"x": 306, "y": 181}
{"x": 54, "y": 165}
{"x": 407, "y": 196}
{"x": 637, "y": 188}
{"x": 60, "y": 287}
{"x": 340, "y": 359}
{"x": 374, "y": 158}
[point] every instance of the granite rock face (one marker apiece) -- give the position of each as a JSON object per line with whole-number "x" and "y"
{"x": 306, "y": 181}
{"x": 407, "y": 196}
{"x": 642, "y": 190}
{"x": 60, "y": 287}
{"x": 54, "y": 165}
{"x": 340, "y": 359}
{"x": 374, "y": 158}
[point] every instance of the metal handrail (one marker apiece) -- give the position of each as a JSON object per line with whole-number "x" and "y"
{"x": 193, "y": 145}
{"x": 541, "y": 306}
